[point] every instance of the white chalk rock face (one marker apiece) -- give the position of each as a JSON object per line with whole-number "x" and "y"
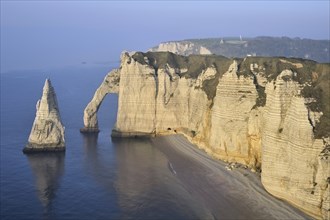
{"x": 231, "y": 110}
{"x": 291, "y": 166}
{"x": 136, "y": 101}
{"x": 261, "y": 112}
{"x": 110, "y": 84}
{"x": 47, "y": 133}
{"x": 182, "y": 48}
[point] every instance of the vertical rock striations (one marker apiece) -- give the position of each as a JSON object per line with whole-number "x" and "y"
{"x": 47, "y": 133}
{"x": 132, "y": 118}
{"x": 271, "y": 114}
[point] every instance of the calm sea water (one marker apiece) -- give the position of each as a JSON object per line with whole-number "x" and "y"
{"x": 97, "y": 177}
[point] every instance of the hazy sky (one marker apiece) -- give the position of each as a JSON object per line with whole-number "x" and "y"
{"x": 41, "y": 35}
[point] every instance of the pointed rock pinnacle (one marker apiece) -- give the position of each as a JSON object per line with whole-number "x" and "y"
{"x": 47, "y": 133}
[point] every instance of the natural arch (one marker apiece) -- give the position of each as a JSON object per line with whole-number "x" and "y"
{"x": 110, "y": 84}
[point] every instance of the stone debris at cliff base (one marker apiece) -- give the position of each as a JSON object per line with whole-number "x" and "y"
{"x": 234, "y": 165}
{"x": 30, "y": 148}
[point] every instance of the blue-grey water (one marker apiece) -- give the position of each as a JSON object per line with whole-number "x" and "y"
{"x": 97, "y": 177}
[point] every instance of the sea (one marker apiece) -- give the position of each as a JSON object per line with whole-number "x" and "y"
{"x": 97, "y": 177}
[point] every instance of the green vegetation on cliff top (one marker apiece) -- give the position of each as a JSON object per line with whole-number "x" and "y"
{"x": 194, "y": 64}
{"x": 312, "y": 76}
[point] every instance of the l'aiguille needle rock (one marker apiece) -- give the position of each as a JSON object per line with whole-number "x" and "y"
{"x": 47, "y": 133}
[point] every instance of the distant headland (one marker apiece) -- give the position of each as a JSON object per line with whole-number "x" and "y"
{"x": 317, "y": 50}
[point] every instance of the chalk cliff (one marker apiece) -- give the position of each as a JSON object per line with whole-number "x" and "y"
{"x": 182, "y": 48}
{"x": 110, "y": 84}
{"x": 47, "y": 133}
{"x": 271, "y": 114}
{"x": 317, "y": 50}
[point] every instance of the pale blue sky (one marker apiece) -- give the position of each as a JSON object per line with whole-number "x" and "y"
{"x": 43, "y": 35}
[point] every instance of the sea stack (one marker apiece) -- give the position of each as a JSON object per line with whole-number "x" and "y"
{"x": 47, "y": 133}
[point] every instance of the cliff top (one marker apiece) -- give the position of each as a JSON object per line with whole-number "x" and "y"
{"x": 193, "y": 63}
{"x": 272, "y": 66}
{"x": 312, "y": 76}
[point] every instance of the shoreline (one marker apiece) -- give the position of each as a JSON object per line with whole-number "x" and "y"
{"x": 229, "y": 194}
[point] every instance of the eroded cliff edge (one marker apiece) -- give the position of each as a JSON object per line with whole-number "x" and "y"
{"x": 272, "y": 114}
